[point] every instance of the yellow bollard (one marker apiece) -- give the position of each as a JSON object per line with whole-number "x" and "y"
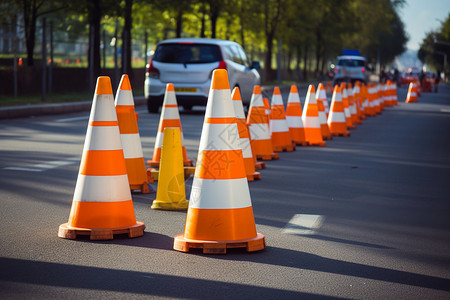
{"x": 171, "y": 194}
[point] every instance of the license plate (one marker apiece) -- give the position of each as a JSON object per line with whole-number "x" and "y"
{"x": 185, "y": 90}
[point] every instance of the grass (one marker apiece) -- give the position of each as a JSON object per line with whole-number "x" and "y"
{"x": 7, "y": 100}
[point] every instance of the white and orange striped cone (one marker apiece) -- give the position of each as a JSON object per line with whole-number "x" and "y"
{"x": 325, "y": 104}
{"x": 336, "y": 119}
{"x": 359, "y": 100}
{"x": 365, "y": 100}
{"x": 321, "y": 97}
{"x": 131, "y": 140}
{"x": 394, "y": 94}
{"x": 244, "y": 136}
{"x": 267, "y": 110}
{"x": 102, "y": 205}
{"x": 352, "y": 105}
{"x": 348, "y": 116}
{"x": 294, "y": 117}
{"x": 376, "y": 89}
{"x": 259, "y": 129}
{"x": 372, "y": 100}
{"x": 281, "y": 137}
{"x": 310, "y": 118}
{"x": 220, "y": 213}
{"x": 329, "y": 88}
{"x": 170, "y": 117}
{"x": 411, "y": 97}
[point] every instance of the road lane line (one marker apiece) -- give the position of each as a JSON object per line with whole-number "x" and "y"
{"x": 72, "y": 119}
{"x": 46, "y": 166}
{"x": 302, "y": 224}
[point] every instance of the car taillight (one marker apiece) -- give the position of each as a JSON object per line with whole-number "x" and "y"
{"x": 152, "y": 71}
{"x": 336, "y": 70}
{"x": 363, "y": 69}
{"x": 222, "y": 65}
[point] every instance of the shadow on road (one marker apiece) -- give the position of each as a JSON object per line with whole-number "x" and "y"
{"x": 93, "y": 278}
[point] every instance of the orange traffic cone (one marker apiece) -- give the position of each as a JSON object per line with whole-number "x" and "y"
{"x": 131, "y": 140}
{"x": 321, "y": 97}
{"x": 294, "y": 117}
{"x": 329, "y": 88}
{"x": 348, "y": 116}
{"x": 412, "y": 95}
{"x": 258, "y": 127}
{"x": 365, "y": 100}
{"x": 336, "y": 119}
{"x": 372, "y": 100}
{"x": 310, "y": 119}
{"x": 102, "y": 204}
{"x": 267, "y": 110}
{"x": 352, "y": 105}
{"x": 220, "y": 213}
{"x": 281, "y": 137}
{"x": 357, "y": 94}
{"x": 170, "y": 117}
{"x": 377, "y": 101}
{"x": 244, "y": 137}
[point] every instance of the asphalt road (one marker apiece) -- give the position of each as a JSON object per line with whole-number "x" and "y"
{"x": 380, "y": 201}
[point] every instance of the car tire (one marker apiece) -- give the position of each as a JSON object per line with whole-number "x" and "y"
{"x": 152, "y": 105}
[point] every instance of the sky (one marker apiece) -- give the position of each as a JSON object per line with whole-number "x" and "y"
{"x": 421, "y": 17}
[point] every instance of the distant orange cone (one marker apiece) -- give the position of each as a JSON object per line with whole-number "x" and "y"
{"x": 310, "y": 119}
{"x": 352, "y": 105}
{"x": 294, "y": 117}
{"x": 365, "y": 99}
{"x": 244, "y": 136}
{"x": 170, "y": 117}
{"x": 131, "y": 140}
{"x": 372, "y": 100}
{"x": 281, "y": 137}
{"x": 376, "y": 89}
{"x": 357, "y": 94}
{"x": 348, "y": 115}
{"x": 411, "y": 97}
{"x": 259, "y": 129}
{"x": 220, "y": 213}
{"x": 329, "y": 88}
{"x": 336, "y": 119}
{"x": 102, "y": 204}
{"x": 321, "y": 97}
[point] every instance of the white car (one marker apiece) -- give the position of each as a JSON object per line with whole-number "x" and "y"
{"x": 188, "y": 63}
{"x": 350, "y": 68}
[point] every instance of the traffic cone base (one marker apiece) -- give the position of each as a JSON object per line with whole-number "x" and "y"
{"x": 67, "y": 232}
{"x": 259, "y": 165}
{"x": 298, "y": 132}
{"x": 339, "y": 129}
{"x": 219, "y": 247}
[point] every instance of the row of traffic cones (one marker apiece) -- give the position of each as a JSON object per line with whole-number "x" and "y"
{"x": 220, "y": 214}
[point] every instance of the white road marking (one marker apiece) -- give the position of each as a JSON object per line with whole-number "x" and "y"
{"x": 73, "y": 119}
{"x": 445, "y": 110}
{"x": 46, "y": 166}
{"x": 304, "y": 224}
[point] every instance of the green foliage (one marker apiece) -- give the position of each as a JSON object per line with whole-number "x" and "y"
{"x": 435, "y": 48}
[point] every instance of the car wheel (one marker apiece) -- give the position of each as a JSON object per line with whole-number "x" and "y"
{"x": 153, "y": 106}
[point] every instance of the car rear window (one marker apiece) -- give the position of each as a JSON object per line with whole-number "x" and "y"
{"x": 351, "y": 62}
{"x": 187, "y": 53}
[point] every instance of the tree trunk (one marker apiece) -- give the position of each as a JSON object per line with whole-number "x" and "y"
{"x": 305, "y": 62}
{"x": 94, "y": 31}
{"x": 179, "y": 23}
{"x": 268, "y": 58}
{"x": 318, "y": 51}
{"x": 126, "y": 39}
{"x": 29, "y": 17}
{"x": 214, "y": 12}
{"x": 203, "y": 21}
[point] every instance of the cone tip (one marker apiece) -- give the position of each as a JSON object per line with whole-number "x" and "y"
{"x": 337, "y": 89}
{"x": 220, "y": 80}
{"x": 294, "y": 89}
{"x": 256, "y": 89}
{"x": 311, "y": 89}
{"x": 320, "y": 87}
{"x": 125, "y": 83}
{"x": 170, "y": 88}
{"x": 236, "y": 95}
{"x": 276, "y": 91}
{"x": 103, "y": 86}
